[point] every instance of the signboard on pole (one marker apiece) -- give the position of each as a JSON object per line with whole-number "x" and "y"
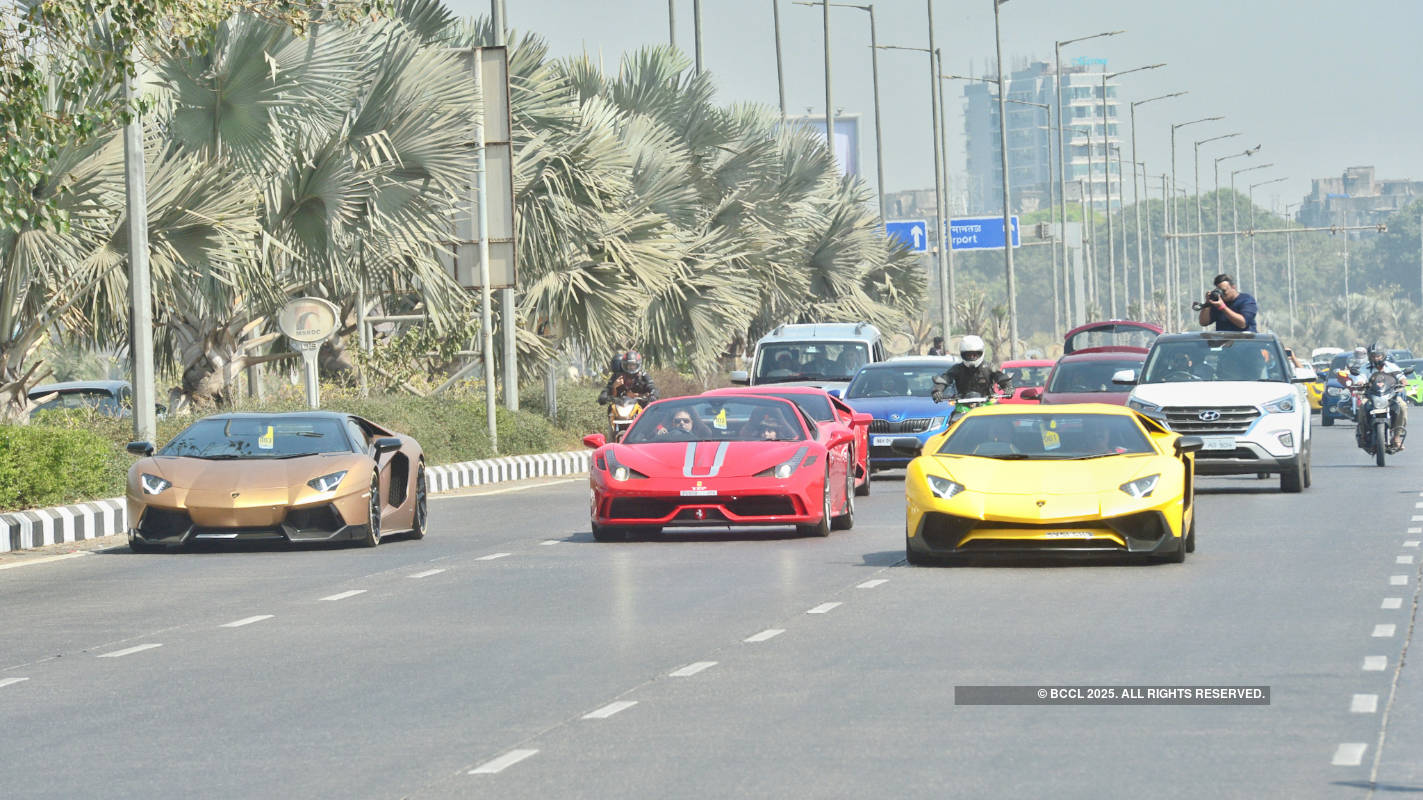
{"x": 462, "y": 261}
{"x": 913, "y": 234}
{"x": 307, "y": 322}
{"x": 847, "y": 137}
{"x": 980, "y": 233}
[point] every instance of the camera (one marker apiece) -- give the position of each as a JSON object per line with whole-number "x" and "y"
{"x": 1212, "y": 297}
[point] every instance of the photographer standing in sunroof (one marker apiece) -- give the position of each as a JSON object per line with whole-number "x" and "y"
{"x": 1232, "y": 310}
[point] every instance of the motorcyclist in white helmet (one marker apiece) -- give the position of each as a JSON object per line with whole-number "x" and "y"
{"x": 971, "y": 376}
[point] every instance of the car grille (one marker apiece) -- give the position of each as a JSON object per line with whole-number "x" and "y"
{"x": 160, "y": 523}
{"x": 324, "y": 518}
{"x": 761, "y": 506}
{"x": 1230, "y": 419}
{"x": 918, "y": 425}
{"x": 641, "y": 508}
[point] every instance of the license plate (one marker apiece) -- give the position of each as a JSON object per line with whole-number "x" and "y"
{"x": 698, "y": 492}
{"x": 882, "y": 441}
{"x": 1218, "y": 442}
{"x": 1069, "y": 535}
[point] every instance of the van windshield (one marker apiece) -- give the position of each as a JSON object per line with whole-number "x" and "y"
{"x": 779, "y": 362}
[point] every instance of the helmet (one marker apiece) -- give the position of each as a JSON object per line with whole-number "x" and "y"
{"x": 632, "y": 362}
{"x": 971, "y": 350}
{"x": 1377, "y": 355}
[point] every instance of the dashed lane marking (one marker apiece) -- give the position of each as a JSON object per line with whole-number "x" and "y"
{"x": 493, "y": 556}
{"x": 1403, "y": 560}
{"x": 1375, "y": 663}
{"x": 824, "y": 608}
{"x": 691, "y": 669}
{"x": 549, "y": 542}
{"x": 1364, "y": 704}
{"x": 1349, "y": 754}
{"x": 1411, "y": 543}
{"x": 11, "y": 681}
{"x": 769, "y": 633}
{"x": 872, "y": 584}
{"x": 128, "y": 651}
{"x": 1417, "y": 518}
{"x": 30, "y": 562}
{"x": 610, "y": 709}
{"x": 247, "y": 621}
{"x": 1398, "y": 580}
{"x": 1391, "y": 603}
{"x": 502, "y": 763}
{"x": 1414, "y": 530}
{"x": 344, "y": 595}
{"x": 427, "y": 573}
{"x": 1384, "y": 631}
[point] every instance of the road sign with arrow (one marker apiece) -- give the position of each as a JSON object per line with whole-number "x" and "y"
{"x": 912, "y": 233}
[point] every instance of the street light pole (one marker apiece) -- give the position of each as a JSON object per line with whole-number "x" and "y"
{"x": 1136, "y": 199}
{"x": 1254, "y": 275}
{"x": 672, "y": 23}
{"x": 947, "y": 295}
{"x": 1235, "y": 216}
{"x": 1007, "y": 201}
{"x": 1107, "y": 173}
{"x": 1200, "y": 243}
{"x": 1219, "y": 253}
{"x": 1290, "y": 262}
{"x": 780, "y": 67}
{"x": 829, "y": 100}
{"x": 140, "y": 289}
{"x": 1173, "y": 285}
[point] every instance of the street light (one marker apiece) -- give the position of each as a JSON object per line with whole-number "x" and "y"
{"x": 1290, "y": 261}
{"x": 1219, "y": 256}
{"x": 1200, "y": 243}
{"x": 1088, "y": 214}
{"x": 1007, "y": 208}
{"x": 1061, "y": 144}
{"x": 1235, "y": 216}
{"x": 1107, "y": 172}
{"x": 1173, "y": 267}
{"x": 1255, "y": 276}
{"x": 1136, "y": 199}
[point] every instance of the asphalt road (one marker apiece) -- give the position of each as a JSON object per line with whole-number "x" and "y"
{"x": 508, "y": 655}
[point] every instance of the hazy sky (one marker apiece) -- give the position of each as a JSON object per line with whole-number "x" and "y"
{"x": 1322, "y": 84}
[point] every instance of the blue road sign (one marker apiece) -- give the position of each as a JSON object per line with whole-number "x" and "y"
{"x": 913, "y": 233}
{"x": 981, "y": 233}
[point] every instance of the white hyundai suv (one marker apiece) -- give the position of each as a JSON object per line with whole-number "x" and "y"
{"x": 1236, "y": 391}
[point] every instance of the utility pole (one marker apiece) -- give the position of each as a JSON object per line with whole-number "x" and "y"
{"x": 697, "y": 31}
{"x": 508, "y": 308}
{"x": 941, "y": 193}
{"x": 672, "y": 23}
{"x": 947, "y": 295}
{"x": 1007, "y": 196}
{"x": 481, "y": 222}
{"x": 780, "y": 68}
{"x": 140, "y": 288}
{"x": 829, "y": 99}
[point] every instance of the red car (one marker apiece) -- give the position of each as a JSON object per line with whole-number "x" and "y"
{"x": 1113, "y": 335}
{"x": 721, "y": 460}
{"x": 1029, "y": 377}
{"x": 1091, "y": 353}
{"x": 830, "y": 414}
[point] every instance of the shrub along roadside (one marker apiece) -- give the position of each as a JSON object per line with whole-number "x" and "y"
{"x": 48, "y": 467}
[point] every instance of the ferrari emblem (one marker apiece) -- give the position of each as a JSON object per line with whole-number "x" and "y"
{"x": 701, "y": 513}
{"x": 235, "y": 495}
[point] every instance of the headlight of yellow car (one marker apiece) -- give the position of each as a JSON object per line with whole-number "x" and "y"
{"x": 1141, "y": 487}
{"x": 152, "y": 484}
{"x": 943, "y": 488}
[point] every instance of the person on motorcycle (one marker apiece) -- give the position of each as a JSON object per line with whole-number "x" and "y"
{"x": 971, "y": 376}
{"x": 628, "y": 378}
{"x": 1378, "y": 362}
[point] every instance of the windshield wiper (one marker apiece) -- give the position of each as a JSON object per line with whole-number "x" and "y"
{"x": 221, "y": 456}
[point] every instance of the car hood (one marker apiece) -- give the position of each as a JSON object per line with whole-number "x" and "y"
{"x": 251, "y": 473}
{"x": 821, "y": 384}
{"x": 905, "y": 407}
{"x": 1213, "y": 393}
{"x": 1004, "y": 477}
{"x": 1063, "y": 398}
{"x": 706, "y": 459}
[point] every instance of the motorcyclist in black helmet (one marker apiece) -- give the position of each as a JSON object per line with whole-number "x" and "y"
{"x": 1398, "y": 415}
{"x": 628, "y": 378}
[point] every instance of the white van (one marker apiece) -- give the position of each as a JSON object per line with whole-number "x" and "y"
{"x": 823, "y": 354}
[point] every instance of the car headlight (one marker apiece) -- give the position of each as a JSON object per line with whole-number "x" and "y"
{"x": 1334, "y": 391}
{"x": 327, "y": 483}
{"x": 943, "y": 488}
{"x": 784, "y": 469}
{"x": 152, "y": 484}
{"x": 1141, "y": 487}
{"x": 1143, "y": 406}
{"x": 937, "y": 423}
{"x": 1284, "y": 405}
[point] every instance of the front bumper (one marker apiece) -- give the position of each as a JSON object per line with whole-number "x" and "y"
{"x": 172, "y": 527}
{"x": 1144, "y": 533}
{"x": 678, "y": 503}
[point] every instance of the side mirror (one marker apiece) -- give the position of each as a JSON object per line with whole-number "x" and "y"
{"x": 386, "y": 444}
{"x": 840, "y": 439}
{"x": 1035, "y": 393}
{"x": 833, "y": 392}
{"x": 1304, "y": 375}
{"x": 1408, "y": 370}
{"x": 861, "y": 418}
{"x": 140, "y": 448}
{"x": 741, "y": 377}
{"x": 1124, "y": 377}
{"x": 1189, "y": 444}
{"x": 906, "y": 446}
{"x": 594, "y": 440}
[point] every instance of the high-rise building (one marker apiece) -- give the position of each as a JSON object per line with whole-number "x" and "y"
{"x": 1357, "y": 198}
{"x": 1032, "y": 143}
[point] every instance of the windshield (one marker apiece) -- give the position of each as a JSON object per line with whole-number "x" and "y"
{"x": 1046, "y": 437}
{"x": 1207, "y": 359}
{"x": 1024, "y": 377}
{"x": 1123, "y": 335}
{"x": 815, "y": 406}
{"x": 98, "y": 399}
{"x": 810, "y": 361}
{"x": 887, "y": 380}
{"x": 715, "y": 418}
{"x": 265, "y": 437}
{"x": 1090, "y": 376}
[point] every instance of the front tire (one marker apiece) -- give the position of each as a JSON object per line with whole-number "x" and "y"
{"x": 1292, "y": 479}
{"x": 1326, "y": 419}
{"x": 602, "y": 533}
{"x": 820, "y": 529}
{"x": 422, "y": 510}
{"x": 1380, "y": 442}
{"x": 372, "y": 537}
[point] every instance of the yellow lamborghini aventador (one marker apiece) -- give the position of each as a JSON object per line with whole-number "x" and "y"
{"x": 1083, "y": 480}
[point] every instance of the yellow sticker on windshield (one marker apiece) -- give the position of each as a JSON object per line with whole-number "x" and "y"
{"x": 265, "y": 441}
{"x": 719, "y": 422}
{"x": 1051, "y": 441}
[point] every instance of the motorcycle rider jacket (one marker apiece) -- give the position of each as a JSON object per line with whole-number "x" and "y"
{"x": 968, "y": 381}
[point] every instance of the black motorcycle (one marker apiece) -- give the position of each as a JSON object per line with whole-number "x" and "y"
{"x": 1375, "y": 428}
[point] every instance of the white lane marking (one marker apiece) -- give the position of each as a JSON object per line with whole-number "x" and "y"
{"x": 872, "y": 584}
{"x": 769, "y": 633}
{"x": 1349, "y": 754}
{"x": 1414, "y": 530}
{"x": 344, "y": 595}
{"x": 493, "y": 556}
{"x": 1403, "y": 560}
{"x": 549, "y": 542}
{"x": 247, "y": 621}
{"x": 427, "y": 573}
{"x": 128, "y": 651}
{"x": 1375, "y": 663}
{"x": 11, "y": 681}
{"x": 1418, "y": 505}
{"x": 1364, "y": 704}
{"x": 1390, "y": 603}
{"x": 1411, "y": 543}
{"x": 1384, "y": 631}
{"x": 1417, "y": 518}
{"x": 823, "y": 608}
{"x": 501, "y": 763}
{"x": 30, "y": 562}
{"x": 691, "y": 669}
{"x": 464, "y": 493}
{"x": 1398, "y": 580}
{"x": 610, "y": 709}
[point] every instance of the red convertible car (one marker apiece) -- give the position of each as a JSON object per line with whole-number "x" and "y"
{"x": 830, "y": 414}
{"x": 721, "y": 460}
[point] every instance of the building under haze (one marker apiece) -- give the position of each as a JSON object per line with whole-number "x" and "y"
{"x": 1356, "y": 198}
{"x": 1032, "y": 148}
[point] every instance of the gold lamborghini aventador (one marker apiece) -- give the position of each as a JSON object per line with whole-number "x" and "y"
{"x": 300, "y": 477}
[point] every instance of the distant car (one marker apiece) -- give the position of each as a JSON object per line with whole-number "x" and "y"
{"x": 1400, "y": 355}
{"x": 314, "y": 476}
{"x": 822, "y": 354}
{"x": 1113, "y": 335}
{"x": 1320, "y": 357}
{"x": 732, "y": 460}
{"x": 1086, "y": 377}
{"x": 1413, "y": 386}
{"x": 830, "y": 414}
{"x": 111, "y": 398}
{"x": 1029, "y": 378}
{"x": 897, "y": 394}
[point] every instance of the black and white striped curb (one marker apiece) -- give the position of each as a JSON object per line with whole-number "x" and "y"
{"x": 22, "y": 530}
